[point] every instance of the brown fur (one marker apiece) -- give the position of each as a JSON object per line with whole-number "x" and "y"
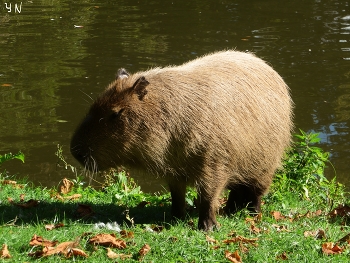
{"x": 219, "y": 121}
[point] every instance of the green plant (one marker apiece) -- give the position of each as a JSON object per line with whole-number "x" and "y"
{"x": 303, "y": 172}
{"x": 78, "y": 178}
{"x": 10, "y": 156}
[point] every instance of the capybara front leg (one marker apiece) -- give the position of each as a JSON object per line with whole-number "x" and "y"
{"x": 178, "y": 191}
{"x": 209, "y": 192}
{"x": 207, "y": 217}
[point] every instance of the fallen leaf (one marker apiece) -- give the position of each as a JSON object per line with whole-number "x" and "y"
{"x": 242, "y": 240}
{"x": 84, "y": 210}
{"x": 62, "y": 248}
{"x": 281, "y": 228}
{"x": 341, "y": 210}
{"x": 21, "y": 197}
{"x": 112, "y": 255}
{"x": 320, "y": 234}
{"x": 329, "y": 248}
{"x": 77, "y": 252}
{"x": 66, "y": 186}
{"x": 8, "y": 182}
{"x": 309, "y": 233}
{"x": 233, "y": 257}
{"x": 144, "y": 250}
{"x": 157, "y": 228}
{"x": 107, "y": 240}
{"x": 4, "y": 252}
{"x": 53, "y": 226}
{"x": 243, "y": 248}
{"x": 210, "y": 239}
{"x": 127, "y": 234}
{"x": 277, "y": 215}
{"x": 254, "y": 229}
{"x": 39, "y": 241}
{"x": 283, "y": 256}
{"x": 6, "y": 85}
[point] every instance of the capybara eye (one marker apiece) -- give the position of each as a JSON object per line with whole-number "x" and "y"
{"x": 116, "y": 114}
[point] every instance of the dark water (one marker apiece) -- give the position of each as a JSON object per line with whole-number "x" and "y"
{"x": 55, "y": 55}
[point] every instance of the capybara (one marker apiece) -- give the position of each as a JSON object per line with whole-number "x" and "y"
{"x": 219, "y": 121}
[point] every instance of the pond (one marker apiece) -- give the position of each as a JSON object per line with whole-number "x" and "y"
{"x": 57, "y": 55}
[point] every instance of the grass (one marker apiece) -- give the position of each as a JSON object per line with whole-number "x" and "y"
{"x": 302, "y": 220}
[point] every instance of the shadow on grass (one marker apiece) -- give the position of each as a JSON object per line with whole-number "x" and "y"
{"x": 50, "y": 212}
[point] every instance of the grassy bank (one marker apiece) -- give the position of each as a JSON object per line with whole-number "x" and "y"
{"x": 304, "y": 219}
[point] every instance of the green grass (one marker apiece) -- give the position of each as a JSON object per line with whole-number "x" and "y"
{"x": 298, "y": 191}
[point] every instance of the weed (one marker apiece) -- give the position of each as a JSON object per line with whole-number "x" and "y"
{"x": 10, "y": 156}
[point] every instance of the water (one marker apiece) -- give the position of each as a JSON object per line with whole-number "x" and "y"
{"x": 57, "y": 55}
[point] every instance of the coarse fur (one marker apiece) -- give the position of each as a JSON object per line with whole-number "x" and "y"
{"x": 219, "y": 121}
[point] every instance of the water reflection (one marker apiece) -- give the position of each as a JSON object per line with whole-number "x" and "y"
{"x": 57, "y": 55}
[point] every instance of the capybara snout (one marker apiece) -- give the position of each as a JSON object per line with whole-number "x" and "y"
{"x": 219, "y": 121}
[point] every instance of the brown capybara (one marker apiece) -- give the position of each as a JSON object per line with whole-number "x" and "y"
{"x": 219, "y": 121}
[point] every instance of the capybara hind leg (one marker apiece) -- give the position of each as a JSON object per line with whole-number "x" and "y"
{"x": 243, "y": 196}
{"x": 178, "y": 192}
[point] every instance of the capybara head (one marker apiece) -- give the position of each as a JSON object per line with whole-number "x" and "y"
{"x": 111, "y": 126}
{"x": 219, "y": 121}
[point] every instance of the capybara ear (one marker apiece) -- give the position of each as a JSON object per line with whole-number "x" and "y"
{"x": 139, "y": 87}
{"x": 122, "y": 73}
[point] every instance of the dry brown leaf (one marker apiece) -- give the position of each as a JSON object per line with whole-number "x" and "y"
{"x": 112, "y": 255}
{"x": 76, "y": 252}
{"x": 277, "y": 215}
{"x": 309, "y": 233}
{"x": 318, "y": 234}
{"x": 108, "y": 240}
{"x": 281, "y": 228}
{"x": 341, "y": 210}
{"x": 4, "y": 252}
{"x": 6, "y": 85}
{"x": 233, "y": 257}
{"x": 157, "y": 228}
{"x": 66, "y": 186}
{"x": 53, "y": 226}
{"x": 210, "y": 239}
{"x": 283, "y": 256}
{"x": 21, "y": 197}
{"x": 127, "y": 234}
{"x": 241, "y": 239}
{"x": 329, "y": 248}
{"x": 254, "y": 229}
{"x": 62, "y": 248}
{"x": 39, "y": 241}
{"x": 8, "y": 182}
{"x": 144, "y": 250}
{"x": 243, "y": 248}
{"x": 84, "y": 210}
